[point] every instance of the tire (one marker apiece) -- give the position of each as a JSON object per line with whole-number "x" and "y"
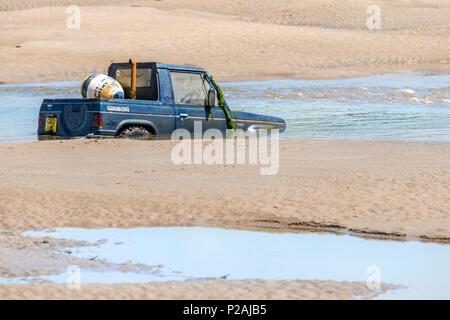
{"x": 138, "y": 133}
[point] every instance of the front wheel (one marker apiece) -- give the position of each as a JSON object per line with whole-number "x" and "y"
{"x": 138, "y": 133}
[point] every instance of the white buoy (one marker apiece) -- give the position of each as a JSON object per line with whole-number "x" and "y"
{"x": 100, "y": 86}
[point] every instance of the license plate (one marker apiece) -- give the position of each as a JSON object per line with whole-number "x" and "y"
{"x": 50, "y": 125}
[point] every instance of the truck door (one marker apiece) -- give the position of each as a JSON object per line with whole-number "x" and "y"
{"x": 190, "y": 90}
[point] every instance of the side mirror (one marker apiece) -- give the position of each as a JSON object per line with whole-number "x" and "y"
{"x": 211, "y": 99}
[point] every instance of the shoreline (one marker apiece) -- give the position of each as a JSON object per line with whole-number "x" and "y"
{"x": 314, "y": 75}
{"x": 344, "y": 75}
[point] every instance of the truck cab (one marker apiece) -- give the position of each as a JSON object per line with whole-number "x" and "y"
{"x": 167, "y": 97}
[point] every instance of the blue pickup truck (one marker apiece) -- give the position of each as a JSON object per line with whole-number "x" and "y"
{"x": 166, "y": 97}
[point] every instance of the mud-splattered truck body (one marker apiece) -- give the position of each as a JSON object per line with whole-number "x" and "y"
{"x": 162, "y": 104}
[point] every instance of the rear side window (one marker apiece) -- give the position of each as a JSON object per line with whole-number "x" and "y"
{"x": 146, "y": 83}
{"x": 143, "y": 78}
{"x": 189, "y": 88}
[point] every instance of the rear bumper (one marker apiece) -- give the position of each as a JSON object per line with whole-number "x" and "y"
{"x": 60, "y": 134}
{"x": 46, "y": 137}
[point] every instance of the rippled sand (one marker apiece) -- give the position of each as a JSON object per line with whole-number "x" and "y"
{"x": 210, "y": 289}
{"x": 232, "y": 39}
{"x": 384, "y": 189}
{"x": 390, "y": 189}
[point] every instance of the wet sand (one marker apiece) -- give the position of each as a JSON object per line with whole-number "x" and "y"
{"x": 234, "y": 40}
{"x": 373, "y": 189}
{"x": 23, "y": 257}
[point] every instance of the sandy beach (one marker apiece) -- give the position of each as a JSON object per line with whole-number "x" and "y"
{"x": 366, "y": 188}
{"x": 369, "y": 188}
{"x": 208, "y": 289}
{"x": 233, "y": 40}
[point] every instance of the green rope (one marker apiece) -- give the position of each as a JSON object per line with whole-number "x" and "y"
{"x": 222, "y": 105}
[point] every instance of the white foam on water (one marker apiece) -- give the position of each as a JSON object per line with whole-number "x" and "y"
{"x": 398, "y": 106}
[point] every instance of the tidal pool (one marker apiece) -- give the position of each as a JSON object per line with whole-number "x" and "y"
{"x": 179, "y": 253}
{"x": 411, "y": 106}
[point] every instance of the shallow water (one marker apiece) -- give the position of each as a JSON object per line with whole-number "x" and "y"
{"x": 20, "y": 103}
{"x": 401, "y": 106}
{"x": 193, "y": 252}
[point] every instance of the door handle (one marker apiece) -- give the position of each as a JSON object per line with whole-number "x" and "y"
{"x": 183, "y": 115}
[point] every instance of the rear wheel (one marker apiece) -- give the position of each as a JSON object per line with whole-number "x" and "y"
{"x": 135, "y": 132}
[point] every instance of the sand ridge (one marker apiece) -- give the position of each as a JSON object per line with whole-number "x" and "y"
{"x": 234, "y": 40}
{"x": 361, "y": 186}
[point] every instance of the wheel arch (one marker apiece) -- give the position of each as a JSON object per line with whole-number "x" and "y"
{"x": 136, "y": 123}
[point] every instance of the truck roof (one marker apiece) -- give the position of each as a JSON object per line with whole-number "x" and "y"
{"x": 178, "y": 67}
{"x": 158, "y": 65}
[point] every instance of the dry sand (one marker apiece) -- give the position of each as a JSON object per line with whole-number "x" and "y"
{"x": 232, "y": 39}
{"x": 209, "y": 289}
{"x": 392, "y": 188}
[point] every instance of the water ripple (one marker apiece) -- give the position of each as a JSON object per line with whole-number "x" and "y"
{"x": 401, "y": 106}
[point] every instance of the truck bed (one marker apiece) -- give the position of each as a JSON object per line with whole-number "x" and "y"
{"x": 77, "y": 117}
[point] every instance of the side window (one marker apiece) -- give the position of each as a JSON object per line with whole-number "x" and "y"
{"x": 189, "y": 88}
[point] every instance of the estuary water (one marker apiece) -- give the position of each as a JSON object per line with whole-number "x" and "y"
{"x": 410, "y": 106}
